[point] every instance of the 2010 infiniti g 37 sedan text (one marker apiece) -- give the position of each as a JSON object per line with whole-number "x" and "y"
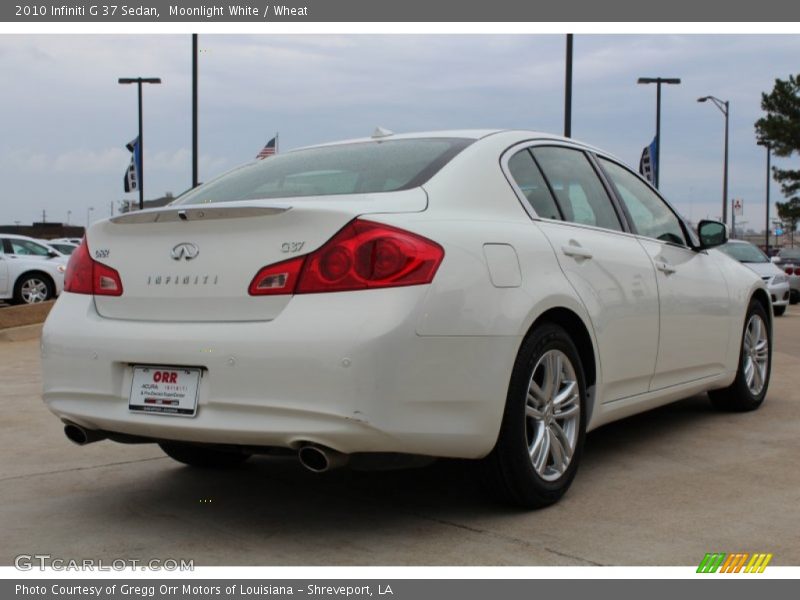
{"x": 489, "y": 295}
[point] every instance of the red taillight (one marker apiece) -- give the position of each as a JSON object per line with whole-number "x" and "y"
{"x": 280, "y": 278}
{"x": 87, "y": 276}
{"x": 363, "y": 255}
{"x": 790, "y": 270}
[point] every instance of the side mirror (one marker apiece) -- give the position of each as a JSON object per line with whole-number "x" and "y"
{"x": 712, "y": 234}
{"x": 53, "y": 254}
{"x": 775, "y": 259}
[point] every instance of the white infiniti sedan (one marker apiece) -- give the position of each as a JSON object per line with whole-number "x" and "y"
{"x": 490, "y": 295}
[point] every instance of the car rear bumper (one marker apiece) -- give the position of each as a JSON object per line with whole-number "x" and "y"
{"x": 779, "y": 294}
{"x": 329, "y": 370}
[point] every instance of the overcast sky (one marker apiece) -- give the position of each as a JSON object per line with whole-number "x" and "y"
{"x": 64, "y": 120}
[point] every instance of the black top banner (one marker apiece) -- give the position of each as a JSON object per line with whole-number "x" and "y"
{"x": 406, "y": 11}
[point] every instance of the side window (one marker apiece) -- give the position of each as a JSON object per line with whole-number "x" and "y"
{"x": 650, "y": 214}
{"x": 529, "y": 179}
{"x": 579, "y": 192}
{"x": 27, "y": 248}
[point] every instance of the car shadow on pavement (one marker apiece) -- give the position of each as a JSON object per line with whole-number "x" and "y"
{"x": 265, "y": 485}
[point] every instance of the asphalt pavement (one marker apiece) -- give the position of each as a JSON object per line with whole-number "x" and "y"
{"x": 662, "y": 488}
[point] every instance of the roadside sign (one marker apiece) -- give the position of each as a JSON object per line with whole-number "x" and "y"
{"x": 738, "y": 207}
{"x": 778, "y": 231}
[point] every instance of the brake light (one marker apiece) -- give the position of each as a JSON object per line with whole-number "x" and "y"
{"x": 363, "y": 255}
{"x": 789, "y": 270}
{"x": 280, "y": 278}
{"x": 87, "y": 276}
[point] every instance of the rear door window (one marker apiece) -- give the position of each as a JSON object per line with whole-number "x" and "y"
{"x": 651, "y": 216}
{"x": 27, "y": 248}
{"x": 529, "y": 180}
{"x": 578, "y": 189}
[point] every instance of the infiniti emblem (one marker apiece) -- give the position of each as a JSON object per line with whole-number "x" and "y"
{"x": 185, "y": 250}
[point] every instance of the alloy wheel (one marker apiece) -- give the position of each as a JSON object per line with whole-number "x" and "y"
{"x": 552, "y": 414}
{"x": 34, "y": 290}
{"x": 756, "y": 354}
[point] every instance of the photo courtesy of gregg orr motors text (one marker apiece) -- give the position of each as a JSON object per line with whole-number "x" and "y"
{"x": 150, "y": 591}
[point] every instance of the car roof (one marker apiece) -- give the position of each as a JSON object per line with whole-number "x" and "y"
{"x": 22, "y": 237}
{"x": 472, "y": 134}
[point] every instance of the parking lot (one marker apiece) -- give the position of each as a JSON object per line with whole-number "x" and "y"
{"x": 661, "y": 488}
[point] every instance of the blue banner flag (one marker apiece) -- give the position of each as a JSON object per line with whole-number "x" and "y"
{"x": 131, "y": 180}
{"x": 649, "y": 161}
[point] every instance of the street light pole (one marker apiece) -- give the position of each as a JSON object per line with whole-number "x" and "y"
{"x": 195, "y": 176}
{"x": 140, "y": 167}
{"x": 768, "y": 146}
{"x": 568, "y": 90}
{"x": 658, "y": 81}
{"x": 88, "y": 212}
{"x": 724, "y": 108}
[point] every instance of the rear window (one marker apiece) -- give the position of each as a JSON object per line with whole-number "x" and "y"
{"x": 358, "y": 168}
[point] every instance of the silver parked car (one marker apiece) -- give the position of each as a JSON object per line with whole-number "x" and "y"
{"x": 788, "y": 259}
{"x": 777, "y": 281}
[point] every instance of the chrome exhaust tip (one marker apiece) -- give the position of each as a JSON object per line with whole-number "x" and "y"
{"x": 318, "y": 459}
{"x": 80, "y": 436}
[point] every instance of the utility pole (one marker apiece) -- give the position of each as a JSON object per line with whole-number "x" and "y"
{"x": 568, "y": 90}
{"x": 195, "y": 176}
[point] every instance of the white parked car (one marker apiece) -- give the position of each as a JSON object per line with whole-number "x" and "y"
{"x": 63, "y": 248}
{"x": 777, "y": 281}
{"x": 489, "y": 295}
{"x": 30, "y": 271}
{"x": 75, "y": 241}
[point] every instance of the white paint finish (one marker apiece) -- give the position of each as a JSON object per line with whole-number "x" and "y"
{"x": 421, "y": 369}
{"x": 213, "y": 286}
{"x": 3, "y": 276}
{"x": 614, "y": 278}
{"x": 284, "y": 389}
{"x": 695, "y": 314}
{"x": 12, "y": 266}
{"x": 503, "y": 264}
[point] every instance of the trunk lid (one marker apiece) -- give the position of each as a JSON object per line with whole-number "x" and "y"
{"x": 195, "y": 262}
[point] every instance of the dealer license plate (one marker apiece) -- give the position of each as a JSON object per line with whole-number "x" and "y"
{"x": 165, "y": 391}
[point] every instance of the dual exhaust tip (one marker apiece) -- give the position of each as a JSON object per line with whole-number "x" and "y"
{"x": 80, "y": 436}
{"x": 316, "y": 459}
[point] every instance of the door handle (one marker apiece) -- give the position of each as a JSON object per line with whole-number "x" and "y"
{"x": 577, "y": 252}
{"x": 665, "y": 267}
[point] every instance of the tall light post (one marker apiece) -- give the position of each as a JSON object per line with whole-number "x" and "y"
{"x": 69, "y": 215}
{"x": 724, "y": 108}
{"x": 658, "y": 81}
{"x": 139, "y": 81}
{"x": 195, "y": 177}
{"x": 768, "y": 146}
{"x": 568, "y": 90}
{"x": 88, "y": 216}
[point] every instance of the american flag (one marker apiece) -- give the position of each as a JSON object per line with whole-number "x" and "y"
{"x": 267, "y": 150}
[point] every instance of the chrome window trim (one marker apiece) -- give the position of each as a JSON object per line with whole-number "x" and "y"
{"x": 526, "y": 206}
{"x": 684, "y": 225}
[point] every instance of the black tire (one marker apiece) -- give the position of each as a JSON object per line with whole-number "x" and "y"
{"x": 509, "y": 467}
{"x": 21, "y": 294}
{"x": 199, "y": 455}
{"x": 738, "y": 397}
{"x": 779, "y": 310}
{"x": 794, "y": 297}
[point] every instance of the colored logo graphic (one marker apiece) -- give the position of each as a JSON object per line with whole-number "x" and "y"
{"x": 740, "y": 562}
